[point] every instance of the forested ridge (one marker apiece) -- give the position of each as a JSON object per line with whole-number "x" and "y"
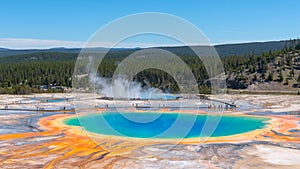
{"x": 223, "y": 49}
{"x": 26, "y": 73}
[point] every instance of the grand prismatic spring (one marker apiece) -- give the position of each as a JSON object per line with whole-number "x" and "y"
{"x": 118, "y": 124}
{"x": 255, "y": 133}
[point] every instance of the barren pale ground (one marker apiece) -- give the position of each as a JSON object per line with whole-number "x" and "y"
{"x": 32, "y": 139}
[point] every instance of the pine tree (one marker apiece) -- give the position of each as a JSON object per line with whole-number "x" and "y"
{"x": 280, "y": 76}
{"x": 298, "y": 45}
{"x": 286, "y": 81}
{"x": 270, "y": 77}
{"x": 292, "y": 73}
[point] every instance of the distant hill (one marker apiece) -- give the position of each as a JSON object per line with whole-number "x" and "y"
{"x": 39, "y": 56}
{"x": 3, "y": 49}
{"x": 223, "y": 50}
{"x": 11, "y": 52}
{"x": 272, "y": 70}
{"x": 234, "y": 49}
{"x": 255, "y": 47}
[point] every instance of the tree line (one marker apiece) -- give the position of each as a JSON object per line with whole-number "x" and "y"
{"x": 24, "y": 74}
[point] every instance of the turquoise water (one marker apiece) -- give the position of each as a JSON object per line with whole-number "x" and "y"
{"x": 56, "y": 100}
{"x": 166, "y": 125}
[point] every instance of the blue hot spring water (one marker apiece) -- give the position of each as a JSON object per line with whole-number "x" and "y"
{"x": 166, "y": 125}
{"x": 56, "y": 100}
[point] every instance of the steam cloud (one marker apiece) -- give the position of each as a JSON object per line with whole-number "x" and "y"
{"x": 121, "y": 86}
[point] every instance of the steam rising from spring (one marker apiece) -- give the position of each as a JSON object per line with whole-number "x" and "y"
{"x": 120, "y": 86}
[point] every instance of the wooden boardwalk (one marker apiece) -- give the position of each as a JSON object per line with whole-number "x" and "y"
{"x": 39, "y": 110}
{"x": 203, "y": 97}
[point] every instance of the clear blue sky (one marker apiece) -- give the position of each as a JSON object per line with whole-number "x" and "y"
{"x": 223, "y": 21}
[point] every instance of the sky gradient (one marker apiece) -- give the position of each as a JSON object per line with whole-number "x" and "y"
{"x": 51, "y": 23}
